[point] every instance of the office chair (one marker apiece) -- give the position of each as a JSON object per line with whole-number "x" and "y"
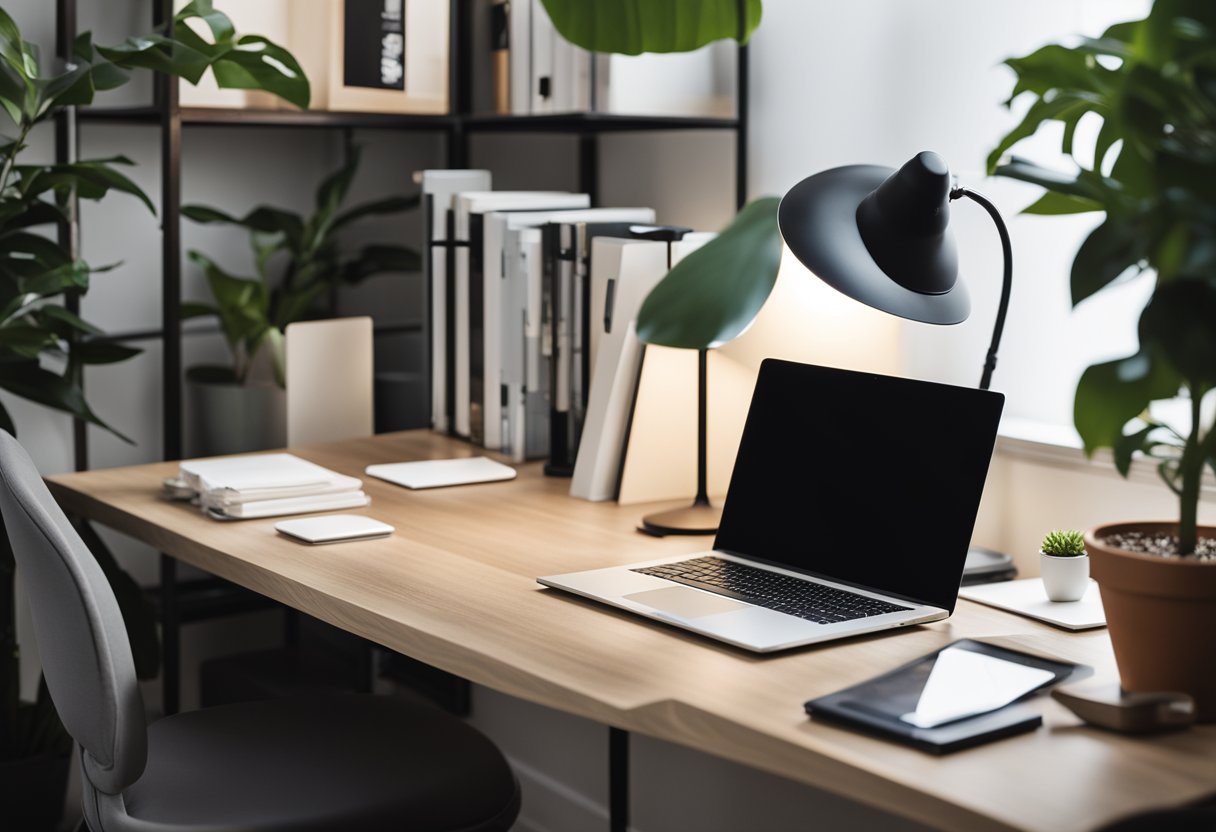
{"x": 319, "y": 763}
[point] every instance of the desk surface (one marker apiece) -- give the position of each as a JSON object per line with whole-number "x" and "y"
{"x": 454, "y": 587}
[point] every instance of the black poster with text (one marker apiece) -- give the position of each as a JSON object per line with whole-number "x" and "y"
{"x": 374, "y": 45}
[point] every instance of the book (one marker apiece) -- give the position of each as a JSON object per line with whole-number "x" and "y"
{"x": 519, "y": 36}
{"x": 502, "y": 342}
{"x": 622, "y": 274}
{"x": 626, "y": 271}
{"x": 526, "y": 371}
{"x": 468, "y": 298}
{"x": 438, "y": 268}
{"x": 291, "y": 505}
{"x": 265, "y": 485}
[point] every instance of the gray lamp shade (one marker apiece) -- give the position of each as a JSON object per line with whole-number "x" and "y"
{"x": 881, "y": 236}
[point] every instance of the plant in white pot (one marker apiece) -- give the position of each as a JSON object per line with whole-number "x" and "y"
{"x": 1063, "y": 565}
{"x": 298, "y": 263}
{"x": 1152, "y": 171}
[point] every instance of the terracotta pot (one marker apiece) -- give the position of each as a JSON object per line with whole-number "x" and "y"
{"x": 1161, "y": 613}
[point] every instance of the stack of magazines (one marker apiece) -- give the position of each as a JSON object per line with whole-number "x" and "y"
{"x": 266, "y": 485}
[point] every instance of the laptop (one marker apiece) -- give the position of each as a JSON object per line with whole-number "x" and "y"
{"x": 850, "y": 510}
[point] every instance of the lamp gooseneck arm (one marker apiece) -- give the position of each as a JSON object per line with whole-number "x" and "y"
{"x": 1007, "y": 283}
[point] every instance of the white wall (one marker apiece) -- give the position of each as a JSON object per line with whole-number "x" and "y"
{"x": 877, "y": 81}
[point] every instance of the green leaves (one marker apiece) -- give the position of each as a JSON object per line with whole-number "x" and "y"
{"x": 1110, "y": 395}
{"x": 715, "y": 292}
{"x": 1063, "y": 543}
{"x": 237, "y": 62}
{"x": 630, "y": 27}
{"x": 30, "y": 381}
{"x": 254, "y": 312}
{"x": 1155, "y": 91}
{"x": 1109, "y": 251}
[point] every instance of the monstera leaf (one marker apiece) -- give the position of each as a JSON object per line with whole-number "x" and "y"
{"x": 630, "y": 27}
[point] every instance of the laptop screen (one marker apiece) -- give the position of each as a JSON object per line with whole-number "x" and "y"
{"x": 865, "y": 479}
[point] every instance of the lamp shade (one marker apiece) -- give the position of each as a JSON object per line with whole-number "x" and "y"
{"x": 881, "y": 236}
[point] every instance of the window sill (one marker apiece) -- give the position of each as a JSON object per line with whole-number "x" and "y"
{"x": 1060, "y": 447}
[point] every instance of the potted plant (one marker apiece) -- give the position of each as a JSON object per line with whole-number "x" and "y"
{"x": 298, "y": 263}
{"x": 1063, "y": 565}
{"x": 43, "y": 346}
{"x": 1152, "y": 82}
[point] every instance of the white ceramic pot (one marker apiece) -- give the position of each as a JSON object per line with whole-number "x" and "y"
{"x": 1065, "y": 578}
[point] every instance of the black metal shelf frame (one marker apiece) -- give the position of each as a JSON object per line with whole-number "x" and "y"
{"x": 218, "y": 598}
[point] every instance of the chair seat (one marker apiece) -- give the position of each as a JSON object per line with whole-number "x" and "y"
{"x": 318, "y": 763}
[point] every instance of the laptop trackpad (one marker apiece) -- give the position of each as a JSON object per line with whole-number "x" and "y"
{"x": 684, "y": 602}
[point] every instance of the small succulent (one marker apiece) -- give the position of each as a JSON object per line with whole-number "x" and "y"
{"x": 1064, "y": 544}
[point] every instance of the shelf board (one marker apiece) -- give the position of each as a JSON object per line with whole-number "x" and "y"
{"x": 593, "y": 123}
{"x": 217, "y": 117}
{"x": 552, "y": 123}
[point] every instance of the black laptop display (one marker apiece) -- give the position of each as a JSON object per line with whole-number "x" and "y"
{"x": 865, "y": 479}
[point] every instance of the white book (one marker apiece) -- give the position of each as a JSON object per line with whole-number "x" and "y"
{"x": 260, "y": 476}
{"x": 519, "y": 38}
{"x": 565, "y": 74}
{"x": 465, "y": 207}
{"x": 294, "y": 505}
{"x": 632, "y": 268}
{"x": 518, "y": 247}
{"x": 438, "y": 188}
{"x": 502, "y": 343}
{"x": 543, "y": 80}
{"x": 517, "y": 301}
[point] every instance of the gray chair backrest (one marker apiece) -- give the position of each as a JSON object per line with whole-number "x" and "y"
{"x": 86, "y": 656}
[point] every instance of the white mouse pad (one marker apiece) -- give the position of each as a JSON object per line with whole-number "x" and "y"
{"x": 333, "y": 528}
{"x": 435, "y": 473}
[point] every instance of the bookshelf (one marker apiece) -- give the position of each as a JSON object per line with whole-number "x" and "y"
{"x": 176, "y": 601}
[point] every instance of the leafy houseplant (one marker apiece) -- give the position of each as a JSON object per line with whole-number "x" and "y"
{"x": 298, "y": 262}
{"x": 1153, "y": 172}
{"x": 43, "y": 346}
{"x": 1152, "y": 83}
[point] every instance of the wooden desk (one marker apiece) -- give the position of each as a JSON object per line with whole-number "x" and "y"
{"x": 454, "y": 587}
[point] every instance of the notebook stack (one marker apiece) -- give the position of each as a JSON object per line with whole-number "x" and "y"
{"x": 268, "y": 485}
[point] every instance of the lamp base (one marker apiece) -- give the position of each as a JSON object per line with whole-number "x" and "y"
{"x": 699, "y": 518}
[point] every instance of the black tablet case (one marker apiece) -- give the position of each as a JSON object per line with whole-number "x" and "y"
{"x": 874, "y": 706}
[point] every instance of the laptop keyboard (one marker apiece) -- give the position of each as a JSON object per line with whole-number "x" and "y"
{"x": 792, "y": 596}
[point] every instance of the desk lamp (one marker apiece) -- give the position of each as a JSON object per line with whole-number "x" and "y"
{"x": 709, "y": 298}
{"x": 882, "y": 237}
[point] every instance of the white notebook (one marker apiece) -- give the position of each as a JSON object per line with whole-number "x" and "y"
{"x": 262, "y": 477}
{"x": 436, "y": 473}
{"x": 1027, "y": 597}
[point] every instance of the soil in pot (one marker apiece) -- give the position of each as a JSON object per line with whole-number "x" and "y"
{"x": 1159, "y": 543}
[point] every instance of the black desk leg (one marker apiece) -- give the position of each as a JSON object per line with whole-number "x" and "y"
{"x": 618, "y": 780}
{"x": 170, "y": 637}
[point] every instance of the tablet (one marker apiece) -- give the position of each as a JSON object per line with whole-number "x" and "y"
{"x": 437, "y": 473}
{"x": 967, "y": 693}
{"x": 333, "y": 528}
